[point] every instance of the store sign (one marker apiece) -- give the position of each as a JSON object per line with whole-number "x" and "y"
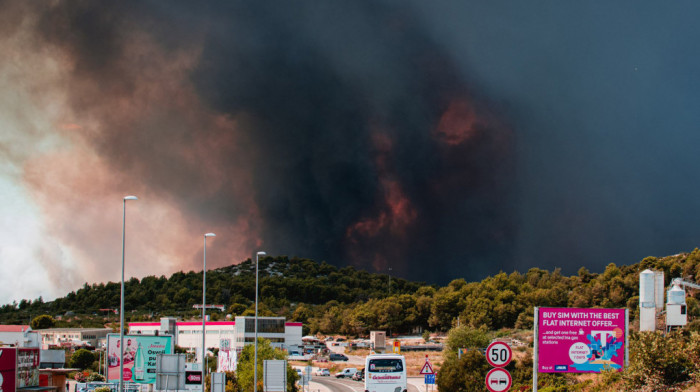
{"x": 27, "y": 367}
{"x": 8, "y": 369}
{"x": 574, "y": 340}
{"x": 140, "y": 353}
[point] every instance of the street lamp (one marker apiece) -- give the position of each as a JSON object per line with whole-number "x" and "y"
{"x": 255, "y": 356}
{"x": 121, "y": 308}
{"x": 204, "y": 311}
{"x": 389, "y": 280}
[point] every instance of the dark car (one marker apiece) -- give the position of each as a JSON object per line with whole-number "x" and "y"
{"x": 337, "y": 357}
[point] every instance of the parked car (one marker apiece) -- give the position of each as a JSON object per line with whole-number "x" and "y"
{"x": 322, "y": 372}
{"x": 299, "y": 373}
{"x": 359, "y": 375}
{"x": 347, "y": 372}
{"x": 337, "y": 357}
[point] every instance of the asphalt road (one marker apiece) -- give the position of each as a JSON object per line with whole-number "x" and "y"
{"x": 344, "y": 385}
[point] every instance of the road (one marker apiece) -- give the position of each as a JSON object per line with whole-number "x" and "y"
{"x": 331, "y": 384}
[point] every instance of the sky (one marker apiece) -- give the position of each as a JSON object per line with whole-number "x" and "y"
{"x": 432, "y": 140}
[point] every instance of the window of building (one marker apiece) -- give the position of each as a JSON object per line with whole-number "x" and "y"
{"x": 272, "y": 340}
{"x": 265, "y": 325}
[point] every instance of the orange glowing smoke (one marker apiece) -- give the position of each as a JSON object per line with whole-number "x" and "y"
{"x": 394, "y": 211}
{"x": 458, "y": 123}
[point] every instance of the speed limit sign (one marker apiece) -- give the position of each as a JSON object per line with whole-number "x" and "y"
{"x": 498, "y": 354}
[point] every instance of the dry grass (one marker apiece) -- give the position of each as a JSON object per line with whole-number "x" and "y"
{"x": 416, "y": 359}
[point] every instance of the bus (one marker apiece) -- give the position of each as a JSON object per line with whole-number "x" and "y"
{"x": 385, "y": 373}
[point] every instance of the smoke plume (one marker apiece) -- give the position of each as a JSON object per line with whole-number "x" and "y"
{"x": 337, "y": 132}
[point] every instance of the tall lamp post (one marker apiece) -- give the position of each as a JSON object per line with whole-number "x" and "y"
{"x": 121, "y": 308}
{"x": 204, "y": 312}
{"x": 255, "y": 356}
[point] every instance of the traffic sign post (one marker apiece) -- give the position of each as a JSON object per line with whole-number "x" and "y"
{"x": 428, "y": 372}
{"x": 498, "y": 354}
{"x": 427, "y": 368}
{"x": 498, "y": 380}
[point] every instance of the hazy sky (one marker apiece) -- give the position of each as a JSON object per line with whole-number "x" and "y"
{"x": 443, "y": 140}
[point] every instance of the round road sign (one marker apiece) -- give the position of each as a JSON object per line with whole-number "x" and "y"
{"x": 498, "y": 380}
{"x": 498, "y": 354}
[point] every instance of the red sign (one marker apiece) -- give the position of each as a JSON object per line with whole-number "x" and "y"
{"x": 193, "y": 377}
{"x": 498, "y": 380}
{"x": 427, "y": 368}
{"x": 498, "y": 354}
{"x": 8, "y": 369}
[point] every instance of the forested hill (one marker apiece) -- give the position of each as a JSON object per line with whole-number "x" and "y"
{"x": 283, "y": 283}
{"x": 331, "y": 300}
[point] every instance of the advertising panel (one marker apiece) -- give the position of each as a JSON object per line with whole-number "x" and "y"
{"x": 140, "y": 353}
{"x": 226, "y": 361}
{"x": 193, "y": 377}
{"x": 27, "y": 367}
{"x": 574, "y": 340}
{"x": 8, "y": 369}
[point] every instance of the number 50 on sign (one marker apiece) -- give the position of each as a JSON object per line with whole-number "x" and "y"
{"x": 498, "y": 354}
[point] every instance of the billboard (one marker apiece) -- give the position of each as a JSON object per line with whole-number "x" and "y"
{"x": 19, "y": 368}
{"x": 575, "y": 340}
{"x": 140, "y": 353}
{"x": 27, "y": 367}
{"x": 8, "y": 369}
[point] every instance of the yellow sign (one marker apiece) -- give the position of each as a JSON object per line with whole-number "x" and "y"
{"x": 397, "y": 347}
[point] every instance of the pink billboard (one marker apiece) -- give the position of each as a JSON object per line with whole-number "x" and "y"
{"x": 574, "y": 340}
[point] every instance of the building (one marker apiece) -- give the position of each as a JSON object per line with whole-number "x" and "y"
{"x": 277, "y": 330}
{"x": 18, "y": 336}
{"x": 73, "y": 336}
{"x": 233, "y": 335}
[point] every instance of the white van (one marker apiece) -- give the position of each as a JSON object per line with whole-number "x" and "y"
{"x": 385, "y": 373}
{"x": 346, "y": 373}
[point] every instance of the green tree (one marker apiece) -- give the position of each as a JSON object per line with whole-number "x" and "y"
{"x": 464, "y": 374}
{"x": 466, "y": 337}
{"x": 42, "y": 322}
{"x": 658, "y": 361}
{"x": 82, "y": 359}
{"x": 232, "y": 383}
{"x": 244, "y": 369}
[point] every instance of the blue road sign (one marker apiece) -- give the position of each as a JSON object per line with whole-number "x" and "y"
{"x": 429, "y": 379}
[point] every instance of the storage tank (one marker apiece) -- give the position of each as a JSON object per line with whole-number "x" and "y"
{"x": 659, "y": 290}
{"x": 676, "y": 295}
{"x": 646, "y": 289}
{"x": 676, "y": 312}
{"x": 647, "y": 307}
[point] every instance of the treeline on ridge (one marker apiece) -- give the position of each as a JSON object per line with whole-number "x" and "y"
{"x": 329, "y": 299}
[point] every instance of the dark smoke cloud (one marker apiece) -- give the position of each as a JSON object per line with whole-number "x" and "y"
{"x": 339, "y": 132}
{"x": 324, "y": 84}
{"x": 603, "y": 99}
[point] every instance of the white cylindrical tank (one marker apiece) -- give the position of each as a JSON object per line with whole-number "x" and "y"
{"x": 646, "y": 289}
{"x": 676, "y": 312}
{"x": 659, "y": 290}
{"x": 647, "y": 319}
{"x": 676, "y": 295}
